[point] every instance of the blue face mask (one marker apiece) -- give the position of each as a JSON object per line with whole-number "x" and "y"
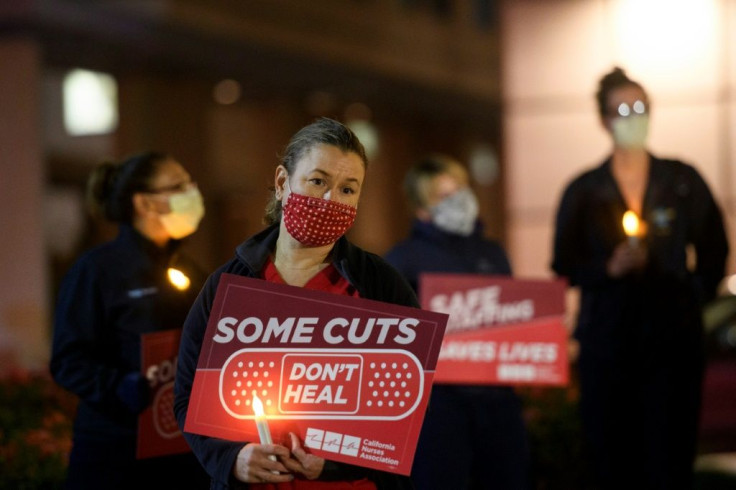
{"x": 456, "y": 213}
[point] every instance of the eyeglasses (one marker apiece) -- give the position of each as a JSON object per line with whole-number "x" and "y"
{"x": 181, "y": 187}
{"x": 638, "y": 108}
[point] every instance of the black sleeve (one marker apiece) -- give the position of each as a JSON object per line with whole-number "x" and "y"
{"x": 571, "y": 257}
{"x": 78, "y": 353}
{"x": 708, "y": 236}
{"x": 402, "y": 260}
{"x": 396, "y": 288}
{"x": 376, "y": 279}
{"x": 501, "y": 259}
{"x": 217, "y": 456}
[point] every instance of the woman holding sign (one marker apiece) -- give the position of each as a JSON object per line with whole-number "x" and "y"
{"x": 483, "y": 424}
{"x": 111, "y": 296}
{"x": 317, "y": 189}
{"x": 643, "y": 239}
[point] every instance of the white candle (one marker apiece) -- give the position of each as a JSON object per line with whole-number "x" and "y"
{"x": 631, "y": 227}
{"x": 264, "y": 433}
{"x": 261, "y": 423}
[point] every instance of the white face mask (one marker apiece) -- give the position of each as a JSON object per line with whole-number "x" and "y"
{"x": 187, "y": 210}
{"x": 456, "y": 213}
{"x": 630, "y": 132}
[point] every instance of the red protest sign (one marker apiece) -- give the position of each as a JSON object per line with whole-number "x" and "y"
{"x": 158, "y": 432}
{"x": 351, "y": 377}
{"x": 501, "y": 330}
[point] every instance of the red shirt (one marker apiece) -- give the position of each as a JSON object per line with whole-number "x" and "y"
{"x": 329, "y": 280}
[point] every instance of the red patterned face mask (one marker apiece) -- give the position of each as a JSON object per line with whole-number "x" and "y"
{"x": 314, "y": 221}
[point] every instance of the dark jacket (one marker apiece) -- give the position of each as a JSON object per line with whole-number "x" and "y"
{"x": 368, "y": 273}
{"x": 429, "y": 249}
{"x": 660, "y": 307}
{"x": 112, "y": 294}
{"x": 485, "y": 421}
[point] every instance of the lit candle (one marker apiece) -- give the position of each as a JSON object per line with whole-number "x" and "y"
{"x": 262, "y": 424}
{"x": 178, "y": 279}
{"x": 631, "y": 227}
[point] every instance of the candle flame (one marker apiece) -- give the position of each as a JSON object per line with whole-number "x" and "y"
{"x": 178, "y": 279}
{"x": 631, "y": 223}
{"x": 258, "y": 406}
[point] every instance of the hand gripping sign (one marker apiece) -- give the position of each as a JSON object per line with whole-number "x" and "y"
{"x": 501, "y": 331}
{"x": 350, "y": 376}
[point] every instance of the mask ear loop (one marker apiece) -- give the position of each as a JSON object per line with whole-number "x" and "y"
{"x": 287, "y": 186}
{"x": 285, "y": 197}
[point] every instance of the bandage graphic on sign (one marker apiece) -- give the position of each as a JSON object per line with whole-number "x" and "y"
{"x": 164, "y": 420}
{"x": 352, "y": 384}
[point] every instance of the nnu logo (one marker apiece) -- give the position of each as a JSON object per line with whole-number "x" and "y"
{"x": 332, "y": 441}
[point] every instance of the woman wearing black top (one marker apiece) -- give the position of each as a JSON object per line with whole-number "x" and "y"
{"x": 112, "y": 295}
{"x": 639, "y": 323}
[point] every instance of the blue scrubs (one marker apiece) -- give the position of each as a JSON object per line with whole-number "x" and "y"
{"x": 114, "y": 293}
{"x": 473, "y": 437}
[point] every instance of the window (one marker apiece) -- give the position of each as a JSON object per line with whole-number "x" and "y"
{"x": 90, "y": 103}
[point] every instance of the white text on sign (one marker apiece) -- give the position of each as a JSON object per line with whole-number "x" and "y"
{"x": 476, "y": 307}
{"x": 313, "y": 393}
{"x": 485, "y": 351}
{"x": 337, "y": 331}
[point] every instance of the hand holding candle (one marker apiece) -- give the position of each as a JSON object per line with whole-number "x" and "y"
{"x": 630, "y": 257}
{"x": 631, "y": 227}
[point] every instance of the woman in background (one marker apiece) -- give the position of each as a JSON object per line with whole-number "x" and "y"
{"x": 477, "y": 430}
{"x": 640, "y": 317}
{"x": 113, "y": 294}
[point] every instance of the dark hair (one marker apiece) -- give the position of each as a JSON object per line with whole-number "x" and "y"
{"x": 111, "y": 185}
{"x": 423, "y": 171}
{"x": 323, "y": 131}
{"x": 616, "y": 78}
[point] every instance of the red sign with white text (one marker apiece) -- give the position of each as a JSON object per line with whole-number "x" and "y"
{"x": 501, "y": 331}
{"x": 350, "y": 376}
{"x": 158, "y": 432}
